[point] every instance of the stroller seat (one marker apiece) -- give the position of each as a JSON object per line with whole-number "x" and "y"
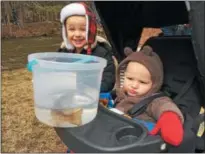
{"x": 181, "y": 83}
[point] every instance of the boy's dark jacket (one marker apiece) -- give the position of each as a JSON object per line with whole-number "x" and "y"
{"x": 101, "y": 48}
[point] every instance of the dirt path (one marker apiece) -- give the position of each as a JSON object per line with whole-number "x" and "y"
{"x": 31, "y": 30}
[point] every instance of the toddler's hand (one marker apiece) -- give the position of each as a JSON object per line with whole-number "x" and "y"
{"x": 171, "y": 128}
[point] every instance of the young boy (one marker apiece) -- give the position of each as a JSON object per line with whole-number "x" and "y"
{"x": 143, "y": 77}
{"x": 79, "y": 30}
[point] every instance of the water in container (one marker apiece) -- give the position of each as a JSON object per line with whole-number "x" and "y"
{"x": 66, "y": 88}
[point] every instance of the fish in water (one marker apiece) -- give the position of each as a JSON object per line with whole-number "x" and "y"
{"x": 73, "y": 116}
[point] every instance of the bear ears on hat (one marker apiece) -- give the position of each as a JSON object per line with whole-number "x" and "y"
{"x": 127, "y": 51}
{"x": 147, "y": 50}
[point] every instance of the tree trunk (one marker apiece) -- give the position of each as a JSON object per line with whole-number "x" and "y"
{"x": 47, "y": 16}
{"x": 8, "y": 10}
{"x": 21, "y": 20}
{"x": 33, "y": 17}
{"x": 3, "y": 13}
{"x": 39, "y": 17}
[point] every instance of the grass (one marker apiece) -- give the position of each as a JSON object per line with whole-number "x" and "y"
{"x": 21, "y": 131}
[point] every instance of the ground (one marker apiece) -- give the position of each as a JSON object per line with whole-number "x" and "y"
{"x": 21, "y": 131}
{"x": 31, "y": 30}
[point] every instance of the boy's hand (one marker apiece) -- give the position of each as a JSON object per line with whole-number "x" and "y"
{"x": 171, "y": 128}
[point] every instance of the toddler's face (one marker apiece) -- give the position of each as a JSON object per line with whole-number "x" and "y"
{"x": 137, "y": 81}
{"x": 76, "y": 31}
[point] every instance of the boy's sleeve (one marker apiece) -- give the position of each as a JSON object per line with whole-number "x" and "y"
{"x": 108, "y": 78}
{"x": 62, "y": 47}
{"x": 161, "y": 105}
{"x": 60, "y": 50}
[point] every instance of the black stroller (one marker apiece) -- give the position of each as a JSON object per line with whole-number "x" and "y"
{"x": 184, "y": 66}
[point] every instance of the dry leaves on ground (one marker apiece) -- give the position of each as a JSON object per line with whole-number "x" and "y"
{"x": 21, "y": 131}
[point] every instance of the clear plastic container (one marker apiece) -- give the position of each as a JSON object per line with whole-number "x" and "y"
{"x": 66, "y": 87}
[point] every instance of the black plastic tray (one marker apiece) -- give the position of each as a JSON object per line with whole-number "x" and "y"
{"x": 110, "y": 132}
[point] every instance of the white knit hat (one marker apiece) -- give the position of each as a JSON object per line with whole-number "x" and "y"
{"x": 79, "y": 9}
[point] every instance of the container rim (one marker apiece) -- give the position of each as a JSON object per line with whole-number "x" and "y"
{"x": 101, "y": 62}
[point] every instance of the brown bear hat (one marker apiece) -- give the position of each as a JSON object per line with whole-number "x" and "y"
{"x": 150, "y": 60}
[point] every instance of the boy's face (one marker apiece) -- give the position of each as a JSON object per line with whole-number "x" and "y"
{"x": 137, "y": 81}
{"x": 76, "y": 31}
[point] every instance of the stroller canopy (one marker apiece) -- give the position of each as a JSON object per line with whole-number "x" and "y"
{"x": 124, "y": 21}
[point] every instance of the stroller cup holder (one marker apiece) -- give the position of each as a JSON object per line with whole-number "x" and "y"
{"x": 110, "y": 132}
{"x": 128, "y": 135}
